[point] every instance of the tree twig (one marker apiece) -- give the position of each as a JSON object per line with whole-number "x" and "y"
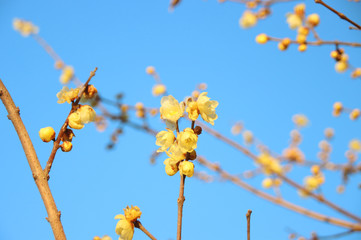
{"x": 318, "y": 43}
{"x": 341, "y": 15}
{"x": 139, "y": 225}
{"x": 248, "y": 216}
{"x": 36, "y": 169}
{"x": 181, "y": 200}
{"x": 56, "y": 144}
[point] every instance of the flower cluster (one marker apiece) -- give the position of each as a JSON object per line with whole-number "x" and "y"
{"x": 271, "y": 182}
{"x": 25, "y": 28}
{"x": 269, "y": 164}
{"x": 181, "y": 147}
{"x": 67, "y": 95}
{"x": 67, "y": 74}
{"x": 338, "y": 109}
{"x": 314, "y": 181}
{"x": 125, "y": 225}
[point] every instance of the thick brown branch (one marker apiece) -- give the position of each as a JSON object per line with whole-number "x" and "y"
{"x": 56, "y": 144}
{"x": 36, "y": 169}
{"x": 276, "y": 200}
{"x": 341, "y": 15}
{"x": 139, "y": 225}
{"x": 181, "y": 200}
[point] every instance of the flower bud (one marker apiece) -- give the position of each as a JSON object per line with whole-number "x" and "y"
{"x": 192, "y": 155}
{"x": 74, "y": 121}
{"x": 186, "y": 168}
{"x": 87, "y": 114}
{"x": 47, "y": 134}
{"x": 150, "y": 70}
{"x": 198, "y": 130}
{"x": 68, "y": 135}
{"x": 66, "y": 146}
{"x": 90, "y": 92}
{"x": 159, "y": 89}
{"x": 261, "y": 38}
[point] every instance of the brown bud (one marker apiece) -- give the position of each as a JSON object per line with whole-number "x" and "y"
{"x": 198, "y": 130}
{"x": 68, "y": 135}
{"x": 192, "y": 155}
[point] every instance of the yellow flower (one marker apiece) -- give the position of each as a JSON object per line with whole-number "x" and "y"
{"x": 300, "y": 120}
{"x": 355, "y": 113}
{"x": 24, "y": 27}
{"x": 124, "y": 228}
{"x": 261, "y": 38}
{"x": 67, "y": 74}
{"x": 192, "y": 110}
{"x": 356, "y": 73}
{"x": 175, "y": 153}
{"x": 294, "y": 154}
{"x": 165, "y": 139}
{"x": 47, "y": 134}
{"x": 132, "y": 213}
{"x": 207, "y": 108}
{"x": 294, "y": 21}
{"x": 355, "y": 145}
{"x": 337, "y": 109}
{"x": 87, "y": 114}
{"x": 74, "y": 120}
{"x": 186, "y": 168}
{"x": 170, "y": 109}
{"x": 248, "y": 19}
{"x": 311, "y": 183}
{"x": 66, "y": 95}
{"x": 302, "y": 47}
{"x": 150, "y": 70}
{"x": 158, "y": 89}
{"x": 66, "y": 146}
{"x": 329, "y": 133}
{"x": 248, "y": 137}
{"x": 59, "y": 64}
{"x": 267, "y": 183}
{"x": 303, "y": 31}
{"x": 170, "y": 167}
{"x": 269, "y": 164}
{"x": 299, "y": 9}
{"x": 341, "y": 66}
{"x": 237, "y": 128}
{"x": 187, "y": 140}
{"x": 313, "y": 19}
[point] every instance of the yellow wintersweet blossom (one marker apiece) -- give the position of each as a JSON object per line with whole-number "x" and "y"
{"x": 237, "y": 128}
{"x": 170, "y": 167}
{"x": 150, "y": 70}
{"x": 67, "y": 74}
{"x": 248, "y": 19}
{"x": 87, "y": 114}
{"x": 329, "y": 133}
{"x": 67, "y": 95}
{"x": 186, "y": 168}
{"x": 300, "y": 9}
{"x": 355, "y": 145}
{"x": 269, "y": 164}
{"x": 313, "y": 182}
{"x": 171, "y": 110}
{"x": 267, "y": 183}
{"x": 337, "y": 109}
{"x": 207, "y": 108}
{"x": 300, "y": 120}
{"x": 25, "y": 28}
{"x": 47, "y": 134}
{"x": 74, "y": 120}
{"x": 356, "y": 73}
{"x": 165, "y": 139}
{"x": 125, "y": 225}
{"x": 294, "y": 154}
{"x": 187, "y": 140}
{"x": 248, "y": 137}
{"x": 261, "y": 38}
{"x": 66, "y": 146}
{"x": 341, "y": 66}
{"x": 159, "y": 89}
{"x": 294, "y": 21}
{"x": 175, "y": 153}
{"x": 355, "y": 113}
{"x": 313, "y": 19}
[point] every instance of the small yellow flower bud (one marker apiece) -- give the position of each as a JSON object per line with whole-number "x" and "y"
{"x": 286, "y": 42}
{"x": 315, "y": 169}
{"x": 344, "y": 58}
{"x": 124, "y": 107}
{"x": 277, "y": 182}
{"x": 301, "y": 38}
{"x": 87, "y": 114}
{"x": 329, "y": 133}
{"x": 355, "y": 114}
{"x": 67, "y": 74}
{"x": 202, "y": 86}
{"x": 355, "y": 145}
{"x": 150, "y": 70}
{"x": 261, "y": 38}
{"x": 248, "y": 137}
{"x": 186, "y": 168}
{"x": 251, "y": 4}
{"x": 263, "y": 13}
{"x": 356, "y": 73}
{"x": 47, "y": 134}
{"x": 313, "y": 19}
{"x": 195, "y": 94}
{"x": 334, "y": 54}
{"x": 66, "y": 146}
{"x": 341, "y": 66}
{"x": 281, "y": 46}
{"x": 337, "y": 109}
{"x": 97, "y": 238}
{"x": 59, "y": 64}
{"x": 299, "y": 9}
{"x": 340, "y": 189}
{"x": 267, "y": 183}
{"x": 140, "y": 113}
{"x": 159, "y": 89}
{"x": 237, "y": 128}
{"x": 303, "y": 30}
{"x": 302, "y": 47}
{"x": 139, "y": 106}
{"x": 153, "y": 112}
{"x": 300, "y": 120}
{"x": 248, "y": 19}
{"x": 90, "y": 92}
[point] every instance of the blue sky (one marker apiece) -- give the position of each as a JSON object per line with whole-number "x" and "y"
{"x": 200, "y": 41}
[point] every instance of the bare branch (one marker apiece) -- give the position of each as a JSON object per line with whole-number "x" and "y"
{"x": 139, "y": 225}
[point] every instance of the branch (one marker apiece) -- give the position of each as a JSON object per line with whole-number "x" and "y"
{"x": 36, "y": 169}
{"x": 248, "y": 216}
{"x": 318, "y": 43}
{"x": 341, "y": 15}
{"x": 56, "y": 144}
{"x": 276, "y": 200}
{"x": 139, "y": 225}
{"x": 181, "y": 200}
{"x": 246, "y": 152}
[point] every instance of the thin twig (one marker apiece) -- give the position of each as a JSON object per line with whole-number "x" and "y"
{"x": 278, "y": 201}
{"x": 341, "y": 15}
{"x": 318, "y": 43}
{"x": 56, "y": 144}
{"x": 245, "y": 151}
{"x": 181, "y": 200}
{"x": 248, "y": 216}
{"x": 36, "y": 169}
{"x": 139, "y": 225}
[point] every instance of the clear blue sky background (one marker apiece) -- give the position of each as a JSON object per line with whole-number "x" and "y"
{"x": 200, "y": 41}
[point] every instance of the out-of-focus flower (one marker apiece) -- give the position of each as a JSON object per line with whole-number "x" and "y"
{"x": 269, "y": 164}
{"x": 356, "y": 73}
{"x": 202, "y": 86}
{"x": 294, "y": 154}
{"x": 267, "y": 183}
{"x": 67, "y": 95}
{"x": 300, "y": 9}
{"x": 248, "y": 19}
{"x": 300, "y": 120}
{"x": 302, "y": 47}
{"x": 187, "y": 140}
{"x": 25, "y": 28}
{"x": 67, "y": 74}
{"x": 59, "y": 64}
{"x": 165, "y": 139}
{"x": 159, "y": 89}
{"x": 237, "y": 128}
{"x": 337, "y": 109}
{"x": 261, "y": 38}
{"x": 341, "y": 66}
{"x": 125, "y": 225}
{"x": 87, "y": 114}
{"x": 150, "y": 70}
{"x": 294, "y": 21}
{"x": 186, "y": 168}
{"x": 355, "y": 145}
{"x": 329, "y": 133}
{"x": 47, "y": 134}
{"x": 355, "y": 113}
{"x": 248, "y": 137}
{"x": 313, "y": 19}
{"x": 315, "y": 169}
